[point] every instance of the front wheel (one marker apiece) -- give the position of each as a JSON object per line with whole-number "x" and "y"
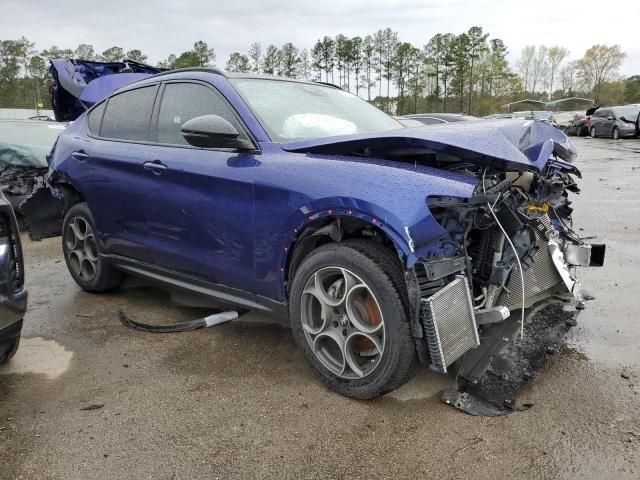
{"x": 615, "y": 134}
{"x": 349, "y": 314}
{"x": 81, "y": 251}
{"x": 592, "y": 132}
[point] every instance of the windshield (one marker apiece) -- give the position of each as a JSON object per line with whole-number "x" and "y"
{"x": 27, "y": 143}
{"x": 296, "y": 111}
{"x": 629, "y": 113}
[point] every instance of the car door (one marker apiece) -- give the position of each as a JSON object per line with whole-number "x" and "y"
{"x": 604, "y": 124}
{"x": 113, "y": 180}
{"x": 200, "y": 210}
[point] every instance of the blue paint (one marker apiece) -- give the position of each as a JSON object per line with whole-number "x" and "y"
{"x": 232, "y": 218}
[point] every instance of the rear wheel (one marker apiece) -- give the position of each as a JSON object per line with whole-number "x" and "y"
{"x": 592, "y": 132}
{"x": 82, "y": 252}
{"x": 615, "y": 133}
{"x": 349, "y": 315}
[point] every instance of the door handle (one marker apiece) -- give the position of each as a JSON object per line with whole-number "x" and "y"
{"x": 79, "y": 155}
{"x": 157, "y": 167}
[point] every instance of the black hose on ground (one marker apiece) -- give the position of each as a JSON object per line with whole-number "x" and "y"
{"x": 209, "y": 321}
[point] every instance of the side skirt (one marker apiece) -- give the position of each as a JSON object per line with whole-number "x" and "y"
{"x": 221, "y": 293}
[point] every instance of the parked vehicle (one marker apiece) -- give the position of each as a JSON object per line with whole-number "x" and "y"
{"x": 495, "y": 116}
{"x": 615, "y": 122}
{"x": 409, "y": 122}
{"x": 382, "y": 245}
{"x": 542, "y": 115}
{"x": 13, "y": 295}
{"x": 580, "y": 125}
{"x": 438, "y": 118}
{"x": 562, "y": 120}
{"x": 24, "y": 145}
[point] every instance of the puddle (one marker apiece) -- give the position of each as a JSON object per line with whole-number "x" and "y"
{"x": 39, "y": 356}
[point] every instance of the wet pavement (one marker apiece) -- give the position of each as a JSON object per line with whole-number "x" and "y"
{"x": 86, "y": 398}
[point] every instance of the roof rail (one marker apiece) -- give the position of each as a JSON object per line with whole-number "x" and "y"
{"x": 214, "y": 70}
{"x": 328, "y": 84}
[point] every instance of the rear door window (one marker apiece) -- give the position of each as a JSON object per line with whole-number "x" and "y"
{"x": 128, "y": 114}
{"x": 182, "y": 102}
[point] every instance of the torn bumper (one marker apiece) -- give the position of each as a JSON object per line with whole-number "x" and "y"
{"x": 493, "y": 362}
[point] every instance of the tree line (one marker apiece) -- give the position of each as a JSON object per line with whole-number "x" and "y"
{"x": 466, "y": 72}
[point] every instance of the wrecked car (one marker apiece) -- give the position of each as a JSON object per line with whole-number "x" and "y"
{"x": 24, "y": 145}
{"x": 386, "y": 247}
{"x": 13, "y": 295}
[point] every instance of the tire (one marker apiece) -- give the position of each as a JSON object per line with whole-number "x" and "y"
{"x": 81, "y": 252}
{"x": 364, "y": 363}
{"x": 592, "y": 132}
{"x": 578, "y": 131}
{"x": 615, "y": 133}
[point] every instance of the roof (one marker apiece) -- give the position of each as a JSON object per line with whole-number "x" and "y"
{"x": 234, "y": 75}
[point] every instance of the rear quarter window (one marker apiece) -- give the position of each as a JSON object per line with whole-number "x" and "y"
{"x": 127, "y": 115}
{"x": 94, "y": 118}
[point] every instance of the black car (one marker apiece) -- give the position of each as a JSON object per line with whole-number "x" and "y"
{"x": 13, "y": 296}
{"x": 580, "y": 125}
{"x": 438, "y": 118}
{"x": 615, "y": 122}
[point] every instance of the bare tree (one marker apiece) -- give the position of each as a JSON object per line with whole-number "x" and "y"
{"x": 555, "y": 55}
{"x": 568, "y": 78}
{"x": 539, "y": 67}
{"x": 525, "y": 65}
{"x": 255, "y": 55}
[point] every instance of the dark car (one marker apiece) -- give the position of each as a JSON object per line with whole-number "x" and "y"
{"x": 615, "y": 122}
{"x": 580, "y": 125}
{"x": 439, "y": 118}
{"x": 13, "y": 296}
{"x": 380, "y": 244}
{"x": 24, "y": 145}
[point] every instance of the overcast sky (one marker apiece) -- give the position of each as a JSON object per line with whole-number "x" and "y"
{"x": 161, "y": 27}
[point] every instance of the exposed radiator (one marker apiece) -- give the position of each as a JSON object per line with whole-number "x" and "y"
{"x": 541, "y": 276}
{"x": 449, "y": 324}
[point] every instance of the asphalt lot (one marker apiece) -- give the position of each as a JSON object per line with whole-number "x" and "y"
{"x": 238, "y": 400}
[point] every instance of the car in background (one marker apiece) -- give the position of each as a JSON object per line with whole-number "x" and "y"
{"x": 438, "y": 118}
{"x": 497, "y": 116}
{"x": 562, "y": 120}
{"x": 580, "y": 125}
{"x": 409, "y": 122}
{"x": 13, "y": 295}
{"x": 542, "y": 115}
{"x": 615, "y": 122}
{"x": 24, "y": 146}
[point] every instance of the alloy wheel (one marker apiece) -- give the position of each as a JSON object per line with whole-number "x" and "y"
{"x": 342, "y": 322}
{"x": 615, "y": 134}
{"x": 82, "y": 250}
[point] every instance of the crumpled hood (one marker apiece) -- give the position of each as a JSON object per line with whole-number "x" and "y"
{"x": 511, "y": 143}
{"x": 79, "y": 84}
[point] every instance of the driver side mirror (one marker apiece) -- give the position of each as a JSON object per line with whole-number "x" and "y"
{"x": 611, "y": 117}
{"x": 213, "y": 131}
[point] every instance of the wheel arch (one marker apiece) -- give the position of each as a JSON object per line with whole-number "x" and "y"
{"x": 336, "y": 227}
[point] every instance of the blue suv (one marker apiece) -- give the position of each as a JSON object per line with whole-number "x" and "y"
{"x": 384, "y": 246}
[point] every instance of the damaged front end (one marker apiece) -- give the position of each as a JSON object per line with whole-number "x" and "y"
{"x": 499, "y": 290}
